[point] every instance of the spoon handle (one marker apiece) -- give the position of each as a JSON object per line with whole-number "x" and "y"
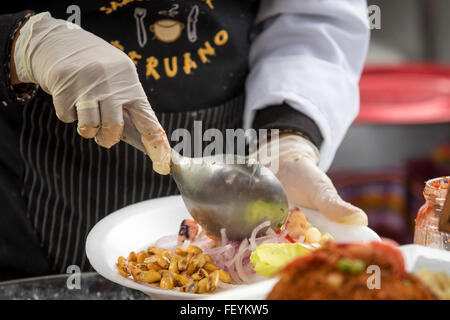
{"x": 130, "y": 134}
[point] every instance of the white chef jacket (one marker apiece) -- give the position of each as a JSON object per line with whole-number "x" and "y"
{"x": 310, "y": 54}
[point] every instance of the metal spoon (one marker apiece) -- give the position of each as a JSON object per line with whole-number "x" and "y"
{"x": 225, "y": 191}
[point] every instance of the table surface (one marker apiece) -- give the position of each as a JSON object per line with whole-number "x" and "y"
{"x": 92, "y": 287}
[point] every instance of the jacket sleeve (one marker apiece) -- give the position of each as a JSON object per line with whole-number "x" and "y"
{"x": 9, "y": 24}
{"x": 308, "y": 55}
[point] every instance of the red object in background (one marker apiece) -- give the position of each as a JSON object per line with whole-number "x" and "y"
{"x": 405, "y": 94}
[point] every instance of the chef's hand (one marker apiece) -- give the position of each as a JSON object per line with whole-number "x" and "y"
{"x": 90, "y": 81}
{"x": 305, "y": 184}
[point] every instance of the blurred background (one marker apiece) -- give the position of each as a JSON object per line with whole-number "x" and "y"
{"x": 402, "y": 135}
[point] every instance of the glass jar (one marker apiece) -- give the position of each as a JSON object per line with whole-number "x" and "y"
{"x": 427, "y": 221}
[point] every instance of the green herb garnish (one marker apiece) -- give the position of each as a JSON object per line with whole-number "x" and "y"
{"x": 351, "y": 266}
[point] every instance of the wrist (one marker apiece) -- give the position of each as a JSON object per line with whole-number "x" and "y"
{"x": 29, "y": 62}
{"x": 13, "y": 71}
{"x": 287, "y": 119}
{"x": 295, "y": 146}
{"x": 288, "y": 132}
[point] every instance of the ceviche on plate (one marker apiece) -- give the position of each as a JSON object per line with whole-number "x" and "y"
{"x": 195, "y": 262}
{"x": 155, "y": 246}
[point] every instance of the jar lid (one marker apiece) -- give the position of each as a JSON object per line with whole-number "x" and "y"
{"x": 436, "y": 190}
{"x": 405, "y": 94}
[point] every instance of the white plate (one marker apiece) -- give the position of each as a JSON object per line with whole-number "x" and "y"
{"x": 416, "y": 258}
{"x": 420, "y": 257}
{"x": 135, "y": 227}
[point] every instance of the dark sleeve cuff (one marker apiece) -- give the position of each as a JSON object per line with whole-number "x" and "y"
{"x": 9, "y": 24}
{"x": 284, "y": 117}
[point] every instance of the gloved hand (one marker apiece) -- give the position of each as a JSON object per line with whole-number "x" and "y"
{"x": 305, "y": 184}
{"x": 90, "y": 81}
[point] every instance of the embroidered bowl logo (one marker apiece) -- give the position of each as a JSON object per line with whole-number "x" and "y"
{"x": 167, "y": 30}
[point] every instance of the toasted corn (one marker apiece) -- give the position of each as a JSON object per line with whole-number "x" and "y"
{"x": 142, "y": 266}
{"x": 208, "y": 259}
{"x": 203, "y": 272}
{"x": 135, "y": 272}
{"x": 132, "y": 256}
{"x": 193, "y": 249}
{"x": 167, "y": 281}
{"x": 200, "y": 274}
{"x": 196, "y": 277}
{"x": 204, "y": 285}
{"x": 154, "y": 250}
{"x": 214, "y": 279}
{"x": 181, "y": 280}
{"x": 163, "y": 261}
{"x": 191, "y": 287}
{"x": 180, "y": 252}
{"x": 149, "y": 276}
{"x": 140, "y": 257}
{"x": 194, "y": 262}
{"x": 188, "y": 269}
{"x": 123, "y": 270}
{"x": 151, "y": 259}
{"x": 210, "y": 267}
{"x": 153, "y": 266}
{"x": 173, "y": 267}
{"x": 166, "y": 253}
{"x": 224, "y": 276}
{"x": 199, "y": 261}
{"x": 182, "y": 264}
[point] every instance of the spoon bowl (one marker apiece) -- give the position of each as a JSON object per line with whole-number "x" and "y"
{"x": 225, "y": 191}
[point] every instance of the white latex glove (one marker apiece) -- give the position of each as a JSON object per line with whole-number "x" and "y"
{"x": 305, "y": 184}
{"x": 90, "y": 81}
